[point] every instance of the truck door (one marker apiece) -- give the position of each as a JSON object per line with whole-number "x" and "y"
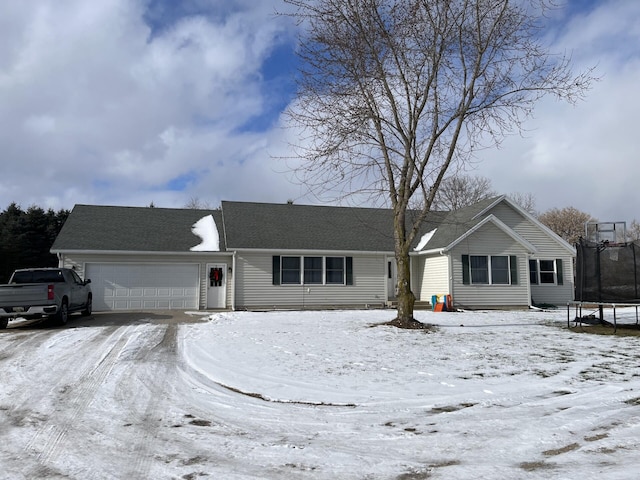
{"x": 76, "y": 291}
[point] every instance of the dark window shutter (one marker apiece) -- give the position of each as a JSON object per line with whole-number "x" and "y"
{"x": 559, "y": 272}
{"x": 275, "y": 271}
{"x": 466, "y": 277}
{"x": 513, "y": 265}
{"x": 349, "y": 270}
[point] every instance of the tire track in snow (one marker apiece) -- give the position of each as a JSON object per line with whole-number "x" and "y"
{"x": 18, "y": 342}
{"x": 163, "y": 356}
{"x": 50, "y": 438}
{"x": 28, "y": 400}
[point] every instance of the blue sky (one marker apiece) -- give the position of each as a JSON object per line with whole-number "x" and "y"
{"x": 129, "y": 102}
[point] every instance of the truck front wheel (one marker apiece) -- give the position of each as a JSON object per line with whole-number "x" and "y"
{"x": 88, "y": 307}
{"x": 63, "y": 314}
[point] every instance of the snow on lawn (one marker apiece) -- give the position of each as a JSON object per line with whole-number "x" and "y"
{"x": 487, "y": 395}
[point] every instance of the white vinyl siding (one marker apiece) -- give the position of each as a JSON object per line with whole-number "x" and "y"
{"x": 552, "y": 293}
{"x": 435, "y": 279}
{"x": 255, "y": 287}
{"x": 79, "y": 262}
{"x": 548, "y": 249}
{"x": 490, "y": 240}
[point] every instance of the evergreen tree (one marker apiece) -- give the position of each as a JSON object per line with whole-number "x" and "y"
{"x": 26, "y": 238}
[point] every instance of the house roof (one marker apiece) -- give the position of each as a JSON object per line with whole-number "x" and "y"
{"x": 135, "y": 229}
{"x": 269, "y": 226}
{"x": 455, "y": 224}
{"x": 307, "y": 227}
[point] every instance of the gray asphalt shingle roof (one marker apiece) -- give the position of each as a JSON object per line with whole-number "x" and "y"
{"x": 454, "y": 224}
{"x": 109, "y": 228}
{"x": 252, "y": 226}
{"x": 291, "y": 227}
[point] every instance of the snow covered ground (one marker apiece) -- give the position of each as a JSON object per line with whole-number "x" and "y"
{"x": 321, "y": 395}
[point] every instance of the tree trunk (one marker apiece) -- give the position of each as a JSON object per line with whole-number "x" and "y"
{"x": 405, "y": 297}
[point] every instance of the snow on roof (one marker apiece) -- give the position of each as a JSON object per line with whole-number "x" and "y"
{"x": 424, "y": 240}
{"x": 206, "y": 229}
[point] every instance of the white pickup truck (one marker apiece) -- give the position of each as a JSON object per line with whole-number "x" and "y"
{"x": 44, "y": 292}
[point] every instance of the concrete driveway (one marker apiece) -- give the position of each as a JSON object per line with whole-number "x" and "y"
{"x": 116, "y": 318}
{"x": 96, "y": 398}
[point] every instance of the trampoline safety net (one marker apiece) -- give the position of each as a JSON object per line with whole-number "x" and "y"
{"x": 607, "y": 272}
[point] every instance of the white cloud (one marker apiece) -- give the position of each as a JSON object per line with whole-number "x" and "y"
{"x": 584, "y": 156}
{"x": 98, "y": 107}
{"x": 99, "y": 110}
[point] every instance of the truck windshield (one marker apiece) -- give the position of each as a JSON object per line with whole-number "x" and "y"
{"x": 38, "y": 276}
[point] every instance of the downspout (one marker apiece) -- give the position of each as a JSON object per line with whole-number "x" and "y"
{"x": 235, "y": 273}
{"x": 529, "y": 280}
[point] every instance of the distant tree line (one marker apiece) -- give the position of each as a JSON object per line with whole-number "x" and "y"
{"x": 26, "y": 236}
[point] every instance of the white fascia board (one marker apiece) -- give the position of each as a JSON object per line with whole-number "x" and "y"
{"x": 502, "y": 226}
{"x": 439, "y": 251}
{"x": 138, "y": 252}
{"x": 302, "y": 251}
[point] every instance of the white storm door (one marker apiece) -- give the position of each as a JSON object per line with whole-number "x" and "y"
{"x": 216, "y": 285}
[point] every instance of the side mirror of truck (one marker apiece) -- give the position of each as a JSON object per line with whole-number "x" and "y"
{"x": 87, "y": 281}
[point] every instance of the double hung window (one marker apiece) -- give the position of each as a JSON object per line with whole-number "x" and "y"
{"x": 545, "y": 272}
{"x": 312, "y": 270}
{"x": 290, "y": 270}
{"x": 335, "y": 270}
{"x": 489, "y": 270}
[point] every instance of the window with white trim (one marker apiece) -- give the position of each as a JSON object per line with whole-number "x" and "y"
{"x": 312, "y": 270}
{"x": 479, "y": 269}
{"x": 290, "y": 270}
{"x": 335, "y": 271}
{"x": 489, "y": 270}
{"x": 545, "y": 272}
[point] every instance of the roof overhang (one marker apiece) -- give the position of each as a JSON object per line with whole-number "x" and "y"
{"x": 137, "y": 252}
{"x": 302, "y": 251}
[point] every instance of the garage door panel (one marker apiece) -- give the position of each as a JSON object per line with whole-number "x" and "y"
{"x": 144, "y": 286}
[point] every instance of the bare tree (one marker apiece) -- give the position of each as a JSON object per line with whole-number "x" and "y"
{"x": 392, "y": 93}
{"x": 460, "y": 191}
{"x": 195, "y": 203}
{"x": 526, "y": 200}
{"x": 633, "y": 231}
{"x": 567, "y": 222}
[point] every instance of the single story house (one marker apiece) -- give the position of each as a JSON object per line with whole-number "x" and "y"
{"x": 245, "y": 255}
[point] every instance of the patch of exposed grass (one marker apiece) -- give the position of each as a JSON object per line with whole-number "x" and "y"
{"x": 595, "y": 438}
{"x": 624, "y": 330}
{"x": 451, "y": 408}
{"x": 559, "y": 451}
{"x": 533, "y": 466}
{"x": 425, "y": 474}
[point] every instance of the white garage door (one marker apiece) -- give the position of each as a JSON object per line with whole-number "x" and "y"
{"x": 120, "y": 286}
